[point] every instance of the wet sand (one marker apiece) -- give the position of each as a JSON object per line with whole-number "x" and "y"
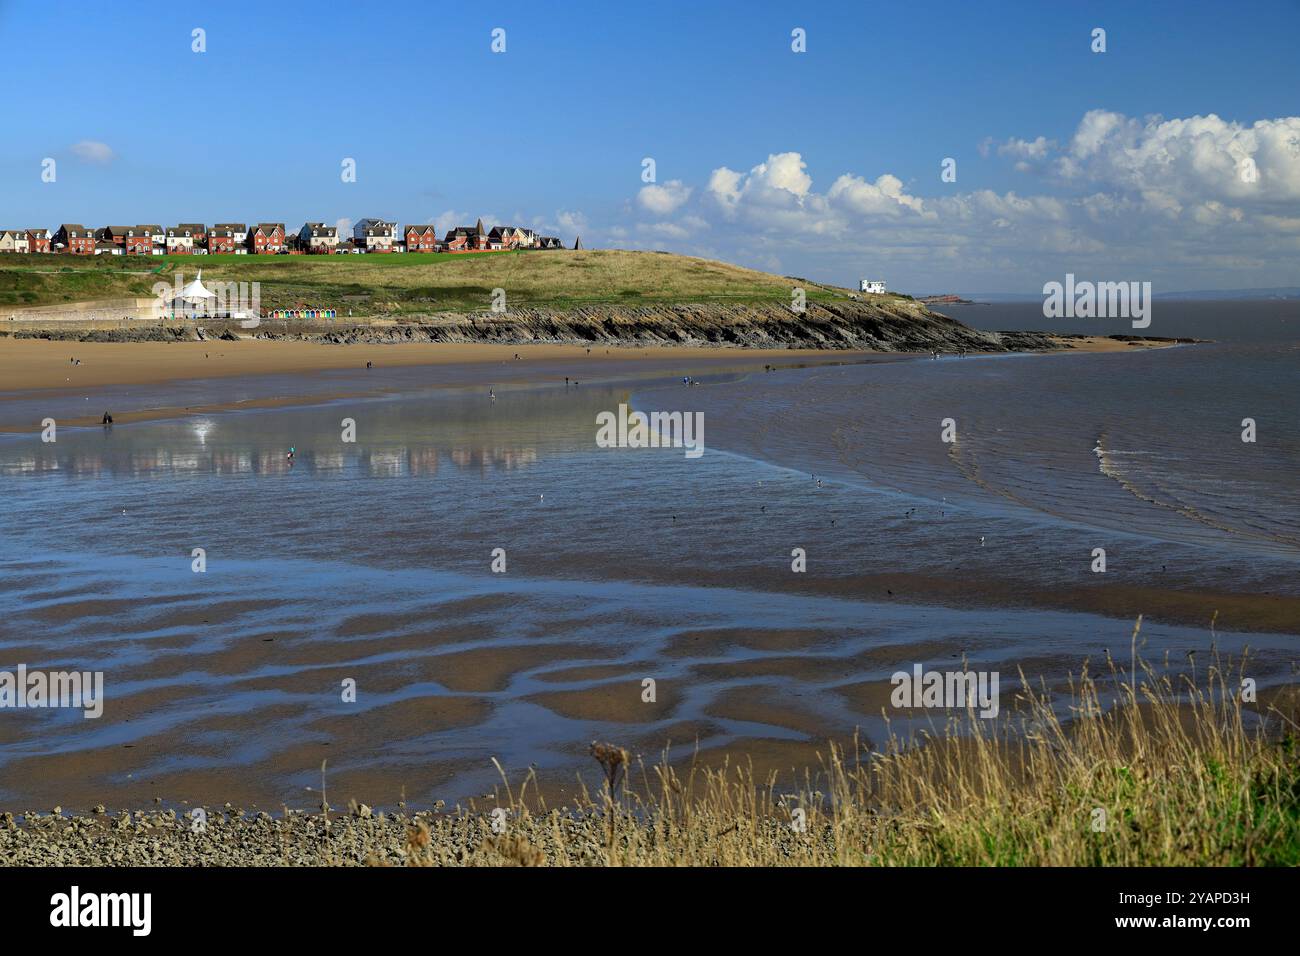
{"x": 1102, "y": 343}
{"x": 768, "y": 697}
{"x": 772, "y": 692}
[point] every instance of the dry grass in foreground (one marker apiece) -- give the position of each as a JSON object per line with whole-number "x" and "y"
{"x": 1174, "y": 772}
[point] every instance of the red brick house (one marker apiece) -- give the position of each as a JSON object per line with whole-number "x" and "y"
{"x": 38, "y": 240}
{"x": 75, "y": 239}
{"x": 422, "y": 239}
{"x": 138, "y": 241}
{"x": 266, "y": 239}
{"x": 223, "y": 240}
{"x": 156, "y": 235}
{"x": 239, "y": 232}
{"x": 467, "y": 239}
{"x": 113, "y": 234}
{"x": 135, "y": 240}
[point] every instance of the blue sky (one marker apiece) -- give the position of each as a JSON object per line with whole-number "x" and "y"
{"x": 1067, "y": 160}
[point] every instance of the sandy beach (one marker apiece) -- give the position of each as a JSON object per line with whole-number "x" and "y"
{"x": 39, "y": 364}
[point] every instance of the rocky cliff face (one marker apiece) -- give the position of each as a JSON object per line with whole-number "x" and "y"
{"x": 896, "y": 325}
{"x": 900, "y": 326}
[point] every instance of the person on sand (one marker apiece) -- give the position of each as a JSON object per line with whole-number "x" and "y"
{"x": 370, "y": 365}
{"x": 492, "y": 395}
{"x": 108, "y": 419}
{"x": 292, "y": 450}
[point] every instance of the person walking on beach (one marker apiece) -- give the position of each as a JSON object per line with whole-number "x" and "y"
{"x": 108, "y": 419}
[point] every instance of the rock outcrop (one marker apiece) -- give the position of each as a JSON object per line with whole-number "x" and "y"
{"x": 892, "y": 325}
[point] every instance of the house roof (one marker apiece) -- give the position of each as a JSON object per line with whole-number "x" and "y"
{"x": 428, "y": 228}
{"x": 232, "y": 226}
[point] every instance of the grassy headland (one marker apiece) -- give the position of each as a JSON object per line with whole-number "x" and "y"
{"x": 584, "y": 297}
{"x": 412, "y": 283}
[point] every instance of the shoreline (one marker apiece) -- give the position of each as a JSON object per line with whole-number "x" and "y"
{"x": 31, "y": 364}
{"x": 1186, "y": 743}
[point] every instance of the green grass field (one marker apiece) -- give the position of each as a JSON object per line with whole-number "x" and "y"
{"x": 410, "y": 283}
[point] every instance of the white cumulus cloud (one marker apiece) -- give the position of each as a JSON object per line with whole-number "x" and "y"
{"x": 663, "y": 200}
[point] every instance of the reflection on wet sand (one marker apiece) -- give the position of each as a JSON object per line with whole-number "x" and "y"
{"x": 371, "y": 561}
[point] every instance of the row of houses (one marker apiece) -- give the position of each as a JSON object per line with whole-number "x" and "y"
{"x": 270, "y": 238}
